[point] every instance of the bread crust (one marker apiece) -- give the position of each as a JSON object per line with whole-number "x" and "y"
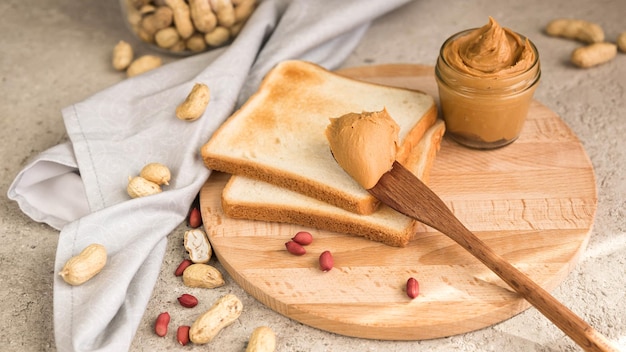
{"x": 325, "y": 221}
{"x": 308, "y": 213}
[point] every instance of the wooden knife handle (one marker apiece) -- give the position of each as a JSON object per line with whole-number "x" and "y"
{"x": 404, "y": 192}
{"x": 566, "y": 320}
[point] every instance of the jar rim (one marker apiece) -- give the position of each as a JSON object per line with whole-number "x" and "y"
{"x": 535, "y": 64}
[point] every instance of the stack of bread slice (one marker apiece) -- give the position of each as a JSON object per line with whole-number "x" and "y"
{"x": 282, "y": 168}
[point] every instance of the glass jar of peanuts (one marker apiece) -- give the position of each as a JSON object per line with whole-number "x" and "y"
{"x": 186, "y": 27}
{"x": 486, "y": 77}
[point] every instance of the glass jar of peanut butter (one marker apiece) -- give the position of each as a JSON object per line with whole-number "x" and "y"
{"x": 486, "y": 77}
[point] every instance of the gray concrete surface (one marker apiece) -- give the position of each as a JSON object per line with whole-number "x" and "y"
{"x": 54, "y": 53}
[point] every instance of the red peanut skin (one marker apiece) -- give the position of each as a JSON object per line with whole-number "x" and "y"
{"x": 182, "y": 334}
{"x": 182, "y": 266}
{"x": 162, "y": 321}
{"x": 195, "y": 218}
{"x": 295, "y": 248}
{"x": 326, "y": 261}
{"x": 303, "y": 238}
{"x": 188, "y": 301}
{"x": 412, "y": 288}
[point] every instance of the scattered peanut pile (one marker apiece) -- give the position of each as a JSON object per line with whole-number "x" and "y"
{"x": 179, "y": 26}
{"x": 226, "y": 310}
{"x": 188, "y": 25}
{"x": 596, "y": 50}
{"x": 151, "y": 177}
{"x": 326, "y": 261}
{"x": 196, "y": 272}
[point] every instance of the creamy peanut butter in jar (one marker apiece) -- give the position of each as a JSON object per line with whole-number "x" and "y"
{"x": 486, "y": 77}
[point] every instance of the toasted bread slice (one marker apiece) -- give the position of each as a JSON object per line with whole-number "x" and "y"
{"x": 278, "y": 137}
{"x": 246, "y": 198}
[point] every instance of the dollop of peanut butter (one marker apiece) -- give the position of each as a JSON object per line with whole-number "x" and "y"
{"x": 364, "y": 145}
{"x": 490, "y": 51}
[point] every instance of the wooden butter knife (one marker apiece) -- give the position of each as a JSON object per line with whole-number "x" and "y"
{"x": 404, "y": 192}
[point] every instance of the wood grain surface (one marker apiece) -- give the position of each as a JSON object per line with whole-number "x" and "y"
{"x": 533, "y": 202}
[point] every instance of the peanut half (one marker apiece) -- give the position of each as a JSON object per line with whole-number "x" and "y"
{"x": 196, "y": 102}
{"x": 223, "y": 313}
{"x": 262, "y": 339}
{"x": 197, "y": 245}
{"x": 82, "y": 267}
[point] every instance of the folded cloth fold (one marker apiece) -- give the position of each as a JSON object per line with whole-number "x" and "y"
{"x": 79, "y": 187}
{"x": 49, "y": 189}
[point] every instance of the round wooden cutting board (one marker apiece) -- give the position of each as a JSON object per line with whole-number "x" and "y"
{"x": 533, "y": 202}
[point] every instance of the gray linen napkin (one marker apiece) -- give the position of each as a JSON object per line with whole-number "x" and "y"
{"x": 79, "y": 187}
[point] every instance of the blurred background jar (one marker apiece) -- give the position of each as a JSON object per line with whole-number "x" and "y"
{"x": 186, "y": 27}
{"x": 486, "y": 106}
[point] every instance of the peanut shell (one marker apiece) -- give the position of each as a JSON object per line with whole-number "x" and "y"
{"x": 195, "y": 104}
{"x": 202, "y": 275}
{"x": 262, "y": 339}
{"x": 82, "y": 267}
{"x": 224, "y": 312}
{"x": 140, "y": 187}
{"x": 198, "y": 246}
{"x": 157, "y": 173}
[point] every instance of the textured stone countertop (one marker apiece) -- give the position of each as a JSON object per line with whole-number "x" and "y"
{"x": 55, "y": 53}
